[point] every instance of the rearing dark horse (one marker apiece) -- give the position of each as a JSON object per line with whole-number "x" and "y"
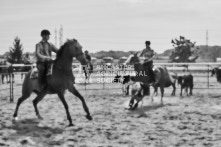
{"x": 61, "y": 79}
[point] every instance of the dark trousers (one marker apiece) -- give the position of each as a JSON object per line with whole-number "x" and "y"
{"x": 42, "y": 69}
{"x": 149, "y": 65}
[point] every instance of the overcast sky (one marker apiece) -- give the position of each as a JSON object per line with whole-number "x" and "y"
{"x": 110, "y": 24}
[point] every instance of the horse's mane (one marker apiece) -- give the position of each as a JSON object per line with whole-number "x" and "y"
{"x": 62, "y": 48}
{"x": 128, "y": 59}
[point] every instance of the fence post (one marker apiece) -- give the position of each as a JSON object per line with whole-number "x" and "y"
{"x": 10, "y": 70}
{"x": 103, "y": 78}
{"x": 208, "y": 78}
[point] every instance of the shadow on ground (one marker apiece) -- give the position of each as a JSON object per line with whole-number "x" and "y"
{"x": 32, "y": 127}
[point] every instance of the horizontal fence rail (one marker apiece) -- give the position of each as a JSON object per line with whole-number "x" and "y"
{"x": 102, "y": 78}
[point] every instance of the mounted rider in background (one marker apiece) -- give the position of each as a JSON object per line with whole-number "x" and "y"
{"x": 89, "y": 65}
{"x": 148, "y": 54}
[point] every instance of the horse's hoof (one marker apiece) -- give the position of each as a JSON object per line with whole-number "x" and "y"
{"x": 39, "y": 117}
{"x": 15, "y": 119}
{"x": 89, "y": 117}
{"x": 71, "y": 125}
{"x": 134, "y": 108}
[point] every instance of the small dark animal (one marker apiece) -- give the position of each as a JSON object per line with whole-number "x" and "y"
{"x": 216, "y": 71}
{"x": 186, "y": 82}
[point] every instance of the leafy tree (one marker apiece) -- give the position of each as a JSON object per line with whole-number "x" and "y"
{"x": 15, "y": 53}
{"x": 182, "y": 52}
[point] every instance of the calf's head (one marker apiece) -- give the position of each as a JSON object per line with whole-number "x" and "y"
{"x": 217, "y": 71}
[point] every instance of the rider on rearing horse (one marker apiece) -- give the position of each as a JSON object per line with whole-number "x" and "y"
{"x": 148, "y": 53}
{"x": 43, "y": 54}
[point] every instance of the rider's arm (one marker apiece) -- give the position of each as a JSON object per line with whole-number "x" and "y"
{"x": 153, "y": 55}
{"x": 54, "y": 48}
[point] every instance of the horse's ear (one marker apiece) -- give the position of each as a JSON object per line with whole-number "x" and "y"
{"x": 136, "y": 54}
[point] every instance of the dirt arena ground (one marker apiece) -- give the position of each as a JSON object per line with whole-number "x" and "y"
{"x": 180, "y": 122}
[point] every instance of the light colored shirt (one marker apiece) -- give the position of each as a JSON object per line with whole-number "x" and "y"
{"x": 147, "y": 53}
{"x": 43, "y": 50}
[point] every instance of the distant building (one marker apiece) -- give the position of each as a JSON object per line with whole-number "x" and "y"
{"x": 122, "y": 60}
{"x": 93, "y": 60}
{"x": 108, "y": 61}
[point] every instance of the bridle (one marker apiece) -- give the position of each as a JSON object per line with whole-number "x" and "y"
{"x": 79, "y": 54}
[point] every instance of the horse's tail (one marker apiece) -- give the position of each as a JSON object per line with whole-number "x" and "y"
{"x": 174, "y": 75}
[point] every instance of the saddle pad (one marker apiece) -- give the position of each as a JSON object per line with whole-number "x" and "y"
{"x": 34, "y": 72}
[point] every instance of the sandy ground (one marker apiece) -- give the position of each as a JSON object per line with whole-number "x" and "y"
{"x": 181, "y": 121}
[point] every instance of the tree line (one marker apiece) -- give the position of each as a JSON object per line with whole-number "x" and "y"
{"x": 183, "y": 50}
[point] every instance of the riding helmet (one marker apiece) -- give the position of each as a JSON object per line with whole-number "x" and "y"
{"x": 147, "y": 42}
{"x": 45, "y": 32}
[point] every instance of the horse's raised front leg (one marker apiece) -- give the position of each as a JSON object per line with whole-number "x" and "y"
{"x": 39, "y": 97}
{"x": 73, "y": 90}
{"x": 61, "y": 96}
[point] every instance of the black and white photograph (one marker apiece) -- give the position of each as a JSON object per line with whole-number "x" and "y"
{"x": 110, "y": 73}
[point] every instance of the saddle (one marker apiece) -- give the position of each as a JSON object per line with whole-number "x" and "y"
{"x": 34, "y": 72}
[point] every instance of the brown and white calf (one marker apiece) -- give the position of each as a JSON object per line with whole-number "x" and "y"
{"x": 138, "y": 91}
{"x": 125, "y": 80}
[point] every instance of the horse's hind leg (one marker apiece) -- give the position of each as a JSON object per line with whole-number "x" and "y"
{"x": 61, "y": 96}
{"x": 73, "y": 90}
{"x": 39, "y": 97}
{"x": 20, "y": 100}
{"x": 174, "y": 90}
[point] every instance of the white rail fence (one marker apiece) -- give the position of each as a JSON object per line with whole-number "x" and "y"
{"x": 102, "y": 78}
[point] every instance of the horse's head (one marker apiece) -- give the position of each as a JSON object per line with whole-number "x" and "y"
{"x": 73, "y": 49}
{"x": 132, "y": 59}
